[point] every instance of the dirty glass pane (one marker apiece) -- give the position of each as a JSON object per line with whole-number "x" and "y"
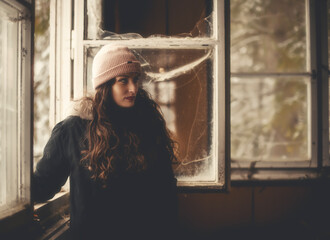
{"x": 269, "y": 119}
{"x": 9, "y": 141}
{"x": 268, "y": 36}
{"x": 181, "y": 82}
{"x": 144, "y": 18}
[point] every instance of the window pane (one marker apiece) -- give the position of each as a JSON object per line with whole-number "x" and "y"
{"x": 181, "y": 82}
{"x": 9, "y": 140}
{"x": 269, "y": 119}
{"x": 268, "y": 36}
{"x": 108, "y": 18}
{"x": 41, "y": 91}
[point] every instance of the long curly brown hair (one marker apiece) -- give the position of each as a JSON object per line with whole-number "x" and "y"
{"x": 125, "y": 140}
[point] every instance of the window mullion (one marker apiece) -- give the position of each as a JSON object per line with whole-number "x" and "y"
{"x": 156, "y": 42}
{"x": 311, "y": 63}
{"x": 79, "y": 62}
{"x": 321, "y": 49}
{"x": 325, "y": 79}
{"x": 222, "y": 88}
{"x": 269, "y": 74}
{"x": 27, "y": 107}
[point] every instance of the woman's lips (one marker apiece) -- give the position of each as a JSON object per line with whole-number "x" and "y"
{"x": 130, "y": 98}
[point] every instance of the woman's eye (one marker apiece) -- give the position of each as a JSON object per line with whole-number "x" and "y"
{"x": 123, "y": 80}
{"x": 136, "y": 80}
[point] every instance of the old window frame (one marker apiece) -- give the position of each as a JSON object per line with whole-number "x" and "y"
{"x": 316, "y": 37}
{"x": 20, "y": 212}
{"x": 67, "y": 63}
{"x": 68, "y": 60}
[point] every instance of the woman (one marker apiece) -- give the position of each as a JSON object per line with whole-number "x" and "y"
{"x": 119, "y": 158}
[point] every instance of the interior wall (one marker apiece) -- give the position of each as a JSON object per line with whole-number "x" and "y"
{"x": 286, "y": 211}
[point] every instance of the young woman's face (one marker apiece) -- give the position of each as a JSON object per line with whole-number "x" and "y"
{"x": 124, "y": 89}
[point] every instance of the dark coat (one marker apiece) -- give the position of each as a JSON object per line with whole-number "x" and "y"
{"x": 133, "y": 205}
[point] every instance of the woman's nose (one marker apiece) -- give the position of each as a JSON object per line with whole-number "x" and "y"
{"x": 132, "y": 86}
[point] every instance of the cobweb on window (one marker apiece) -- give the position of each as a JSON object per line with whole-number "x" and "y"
{"x": 184, "y": 92}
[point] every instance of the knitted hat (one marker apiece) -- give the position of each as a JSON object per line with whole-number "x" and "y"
{"x": 111, "y": 61}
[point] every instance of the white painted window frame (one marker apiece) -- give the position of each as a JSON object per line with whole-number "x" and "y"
{"x": 20, "y": 208}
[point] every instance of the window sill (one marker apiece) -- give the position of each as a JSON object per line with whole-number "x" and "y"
{"x": 13, "y": 220}
{"x": 56, "y": 198}
{"x": 9, "y": 211}
{"x": 53, "y": 217}
{"x": 265, "y": 176}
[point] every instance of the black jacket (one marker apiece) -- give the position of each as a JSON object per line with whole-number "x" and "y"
{"x": 133, "y": 205}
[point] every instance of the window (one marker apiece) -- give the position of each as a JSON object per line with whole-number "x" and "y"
{"x": 275, "y": 110}
{"x": 274, "y": 104}
{"x": 15, "y": 107}
{"x": 183, "y": 59}
{"x": 271, "y": 83}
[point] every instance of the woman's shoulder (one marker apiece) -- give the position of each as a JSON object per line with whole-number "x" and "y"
{"x": 72, "y": 122}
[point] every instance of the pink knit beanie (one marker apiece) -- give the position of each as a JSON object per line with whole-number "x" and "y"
{"x": 111, "y": 61}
